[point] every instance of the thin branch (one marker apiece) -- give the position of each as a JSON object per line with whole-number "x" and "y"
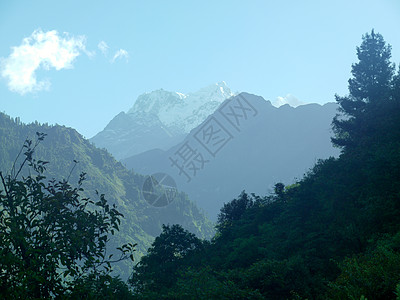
{"x": 70, "y": 173}
{"x": 39, "y": 139}
{"x": 4, "y": 184}
{"x": 16, "y": 159}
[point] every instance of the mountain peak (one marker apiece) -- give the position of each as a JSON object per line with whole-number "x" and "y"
{"x": 182, "y": 111}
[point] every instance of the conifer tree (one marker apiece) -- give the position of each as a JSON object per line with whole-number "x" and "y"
{"x": 369, "y": 86}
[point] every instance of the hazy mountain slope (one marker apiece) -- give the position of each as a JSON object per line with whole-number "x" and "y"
{"x": 62, "y": 145}
{"x": 159, "y": 119}
{"x": 271, "y": 145}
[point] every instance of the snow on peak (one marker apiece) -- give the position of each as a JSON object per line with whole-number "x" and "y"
{"x": 176, "y": 109}
{"x": 181, "y": 95}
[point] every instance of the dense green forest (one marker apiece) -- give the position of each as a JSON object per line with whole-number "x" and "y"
{"x": 335, "y": 234}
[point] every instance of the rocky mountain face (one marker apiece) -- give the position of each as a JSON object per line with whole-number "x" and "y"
{"x": 159, "y": 119}
{"x": 245, "y": 144}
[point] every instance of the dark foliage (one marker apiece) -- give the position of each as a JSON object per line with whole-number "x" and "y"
{"x": 370, "y": 87}
{"x": 233, "y": 211}
{"x": 332, "y": 235}
{"x": 50, "y": 236}
{"x": 157, "y": 271}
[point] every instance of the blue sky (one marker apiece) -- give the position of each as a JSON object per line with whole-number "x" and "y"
{"x": 269, "y": 48}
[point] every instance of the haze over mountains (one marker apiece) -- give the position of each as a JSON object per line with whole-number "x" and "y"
{"x": 259, "y": 146}
{"x": 246, "y": 144}
{"x": 159, "y": 119}
{"x": 283, "y": 143}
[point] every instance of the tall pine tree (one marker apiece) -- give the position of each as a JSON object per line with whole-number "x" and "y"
{"x": 369, "y": 87}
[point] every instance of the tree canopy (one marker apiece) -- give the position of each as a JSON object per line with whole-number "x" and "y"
{"x": 52, "y": 239}
{"x": 159, "y": 268}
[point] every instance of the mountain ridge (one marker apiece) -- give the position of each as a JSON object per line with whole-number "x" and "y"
{"x": 282, "y": 142}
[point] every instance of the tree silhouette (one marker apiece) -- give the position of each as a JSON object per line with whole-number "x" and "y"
{"x": 158, "y": 269}
{"x": 370, "y": 85}
{"x": 233, "y": 211}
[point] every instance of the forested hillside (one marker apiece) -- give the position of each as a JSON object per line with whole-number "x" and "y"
{"x": 62, "y": 146}
{"x": 335, "y": 234}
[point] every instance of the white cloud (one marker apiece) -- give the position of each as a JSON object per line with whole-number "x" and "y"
{"x": 120, "y": 54}
{"x": 103, "y": 47}
{"x": 41, "y": 50}
{"x": 288, "y": 99}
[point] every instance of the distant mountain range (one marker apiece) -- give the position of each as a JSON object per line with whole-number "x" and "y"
{"x": 159, "y": 119}
{"x": 213, "y": 144}
{"x": 244, "y": 144}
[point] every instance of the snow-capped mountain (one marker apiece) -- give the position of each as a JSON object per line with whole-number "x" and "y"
{"x": 184, "y": 112}
{"x": 159, "y": 119}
